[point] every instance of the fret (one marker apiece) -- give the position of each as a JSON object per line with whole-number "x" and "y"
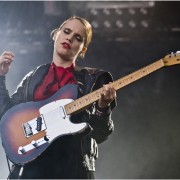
{"x": 120, "y": 83}
{"x": 141, "y": 73}
{"x": 128, "y": 80}
{"x": 154, "y": 67}
{"x": 147, "y": 70}
{"x": 98, "y": 95}
{"x": 134, "y": 76}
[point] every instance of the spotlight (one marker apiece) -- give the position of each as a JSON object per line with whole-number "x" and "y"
{"x": 143, "y": 11}
{"x": 106, "y": 11}
{"x": 144, "y": 23}
{"x": 94, "y": 12}
{"x": 95, "y": 24}
{"x": 132, "y": 11}
{"x": 132, "y": 24}
{"x": 119, "y": 24}
{"x": 107, "y": 24}
{"x": 118, "y": 11}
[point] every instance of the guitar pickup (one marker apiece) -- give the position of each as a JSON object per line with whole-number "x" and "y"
{"x": 34, "y": 126}
{"x": 27, "y": 129}
{"x": 39, "y": 123}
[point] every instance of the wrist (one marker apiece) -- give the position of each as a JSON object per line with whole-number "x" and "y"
{"x": 100, "y": 111}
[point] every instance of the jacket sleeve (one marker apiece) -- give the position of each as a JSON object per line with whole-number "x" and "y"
{"x": 19, "y": 96}
{"x": 100, "y": 119}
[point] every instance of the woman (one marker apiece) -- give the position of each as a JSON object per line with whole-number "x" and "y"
{"x": 70, "y": 156}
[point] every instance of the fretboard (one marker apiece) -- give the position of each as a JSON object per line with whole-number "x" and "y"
{"x": 83, "y": 102}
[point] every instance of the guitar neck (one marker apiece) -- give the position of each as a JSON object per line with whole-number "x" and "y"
{"x": 83, "y": 102}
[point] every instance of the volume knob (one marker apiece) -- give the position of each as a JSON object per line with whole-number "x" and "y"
{"x": 34, "y": 143}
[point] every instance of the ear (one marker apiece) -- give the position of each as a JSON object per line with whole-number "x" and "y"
{"x": 54, "y": 35}
{"x": 84, "y": 50}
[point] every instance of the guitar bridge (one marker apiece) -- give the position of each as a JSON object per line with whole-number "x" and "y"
{"x": 34, "y": 126}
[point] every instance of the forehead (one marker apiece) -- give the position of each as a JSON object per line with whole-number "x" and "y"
{"x": 76, "y": 26}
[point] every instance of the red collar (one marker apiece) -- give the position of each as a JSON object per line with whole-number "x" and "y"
{"x": 68, "y": 69}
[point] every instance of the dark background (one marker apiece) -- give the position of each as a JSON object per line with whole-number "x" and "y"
{"x": 146, "y": 140}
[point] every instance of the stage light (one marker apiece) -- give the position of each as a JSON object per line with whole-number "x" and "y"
{"x": 107, "y": 24}
{"x": 132, "y": 11}
{"x": 144, "y": 23}
{"x": 144, "y": 11}
{"x": 132, "y": 24}
{"x": 106, "y": 11}
{"x": 119, "y": 24}
{"x": 118, "y": 11}
{"x": 94, "y": 12}
{"x": 95, "y": 24}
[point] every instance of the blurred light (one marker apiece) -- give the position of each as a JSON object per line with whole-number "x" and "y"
{"x": 119, "y": 4}
{"x": 94, "y": 12}
{"x": 132, "y": 24}
{"x": 151, "y": 3}
{"x": 14, "y": 43}
{"x": 23, "y": 51}
{"x": 106, "y": 11}
{"x": 131, "y": 11}
{"x": 119, "y": 24}
{"x": 27, "y": 32}
{"x": 95, "y": 24}
{"x": 144, "y": 23}
{"x": 144, "y": 11}
{"x": 175, "y": 29}
{"x": 107, "y": 24}
{"x": 118, "y": 11}
{"x": 37, "y": 43}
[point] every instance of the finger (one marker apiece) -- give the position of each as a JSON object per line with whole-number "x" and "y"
{"x": 110, "y": 94}
{"x": 113, "y": 92}
{"x": 8, "y": 60}
{"x": 8, "y": 55}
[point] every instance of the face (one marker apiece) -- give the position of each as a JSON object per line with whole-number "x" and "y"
{"x": 69, "y": 40}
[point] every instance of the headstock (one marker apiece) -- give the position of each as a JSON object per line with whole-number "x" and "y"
{"x": 172, "y": 59}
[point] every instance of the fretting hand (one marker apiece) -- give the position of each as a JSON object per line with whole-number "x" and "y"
{"x": 107, "y": 96}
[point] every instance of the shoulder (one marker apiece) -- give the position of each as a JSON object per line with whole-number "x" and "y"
{"x": 35, "y": 72}
{"x": 93, "y": 71}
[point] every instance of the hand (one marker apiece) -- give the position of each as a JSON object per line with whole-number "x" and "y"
{"x": 6, "y": 59}
{"x": 107, "y": 96}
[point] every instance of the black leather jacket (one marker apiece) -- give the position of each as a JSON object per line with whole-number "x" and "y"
{"x": 88, "y": 79}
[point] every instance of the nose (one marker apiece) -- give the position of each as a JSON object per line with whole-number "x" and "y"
{"x": 70, "y": 38}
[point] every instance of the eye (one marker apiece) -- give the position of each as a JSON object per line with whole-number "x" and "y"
{"x": 79, "y": 38}
{"x": 66, "y": 31}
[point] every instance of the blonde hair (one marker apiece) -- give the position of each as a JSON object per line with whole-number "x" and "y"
{"x": 88, "y": 29}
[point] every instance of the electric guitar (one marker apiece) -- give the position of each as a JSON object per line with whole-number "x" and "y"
{"x": 29, "y": 128}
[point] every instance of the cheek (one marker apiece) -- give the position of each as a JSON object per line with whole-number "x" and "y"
{"x": 79, "y": 47}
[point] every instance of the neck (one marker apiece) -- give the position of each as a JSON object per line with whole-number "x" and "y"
{"x": 59, "y": 61}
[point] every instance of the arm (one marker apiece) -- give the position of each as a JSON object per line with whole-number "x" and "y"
{"x": 100, "y": 119}
{"x": 6, "y": 102}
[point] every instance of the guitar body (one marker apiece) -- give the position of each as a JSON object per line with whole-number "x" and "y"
{"x": 22, "y": 141}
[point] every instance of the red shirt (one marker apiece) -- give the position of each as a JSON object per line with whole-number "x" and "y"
{"x": 56, "y": 78}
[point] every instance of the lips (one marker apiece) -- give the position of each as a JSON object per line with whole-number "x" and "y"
{"x": 66, "y": 45}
